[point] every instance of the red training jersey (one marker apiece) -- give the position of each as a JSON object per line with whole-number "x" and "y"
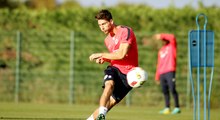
{"x": 166, "y": 56}
{"x": 124, "y": 35}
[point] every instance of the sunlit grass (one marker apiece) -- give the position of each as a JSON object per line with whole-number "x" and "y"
{"x": 81, "y": 112}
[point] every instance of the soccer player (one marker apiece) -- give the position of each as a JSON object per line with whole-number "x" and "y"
{"x": 122, "y": 57}
{"x": 166, "y": 69}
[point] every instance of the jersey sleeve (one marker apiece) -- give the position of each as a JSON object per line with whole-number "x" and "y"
{"x": 169, "y": 37}
{"x": 126, "y": 35}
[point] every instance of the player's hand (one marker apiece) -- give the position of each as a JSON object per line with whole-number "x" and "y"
{"x": 95, "y": 56}
{"x": 156, "y": 36}
{"x": 100, "y": 61}
{"x": 157, "y": 82}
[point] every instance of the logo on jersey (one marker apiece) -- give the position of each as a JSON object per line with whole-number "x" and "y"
{"x": 115, "y": 40}
{"x": 163, "y": 53}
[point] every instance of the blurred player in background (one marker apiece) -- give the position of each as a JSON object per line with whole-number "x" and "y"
{"x": 166, "y": 69}
{"x": 122, "y": 57}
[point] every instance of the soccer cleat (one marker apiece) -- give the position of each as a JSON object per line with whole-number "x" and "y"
{"x": 176, "y": 111}
{"x": 101, "y": 117}
{"x": 165, "y": 111}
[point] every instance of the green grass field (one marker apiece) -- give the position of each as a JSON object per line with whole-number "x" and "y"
{"x": 12, "y": 111}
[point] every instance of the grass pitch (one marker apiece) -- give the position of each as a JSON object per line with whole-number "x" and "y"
{"x": 27, "y": 111}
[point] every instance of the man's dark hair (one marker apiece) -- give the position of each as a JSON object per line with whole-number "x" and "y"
{"x": 104, "y": 14}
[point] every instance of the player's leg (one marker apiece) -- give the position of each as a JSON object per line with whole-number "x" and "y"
{"x": 165, "y": 91}
{"x": 109, "y": 86}
{"x": 105, "y": 99}
{"x": 111, "y": 103}
{"x": 120, "y": 90}
{"x": 172, "y": 86}
{"x": 174, "y": 93}
{"x": 107, "y": 92}
{"x": 106, "y": 102}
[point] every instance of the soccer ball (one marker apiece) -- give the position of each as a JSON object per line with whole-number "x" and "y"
{"x": 136, "y": 77}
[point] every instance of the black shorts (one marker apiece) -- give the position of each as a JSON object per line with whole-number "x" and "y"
{"x": 167, "y": 81}
{"x": 121, "y": 87}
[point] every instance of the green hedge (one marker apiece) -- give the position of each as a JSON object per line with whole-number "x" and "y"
{"x": 46, "y": 38}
